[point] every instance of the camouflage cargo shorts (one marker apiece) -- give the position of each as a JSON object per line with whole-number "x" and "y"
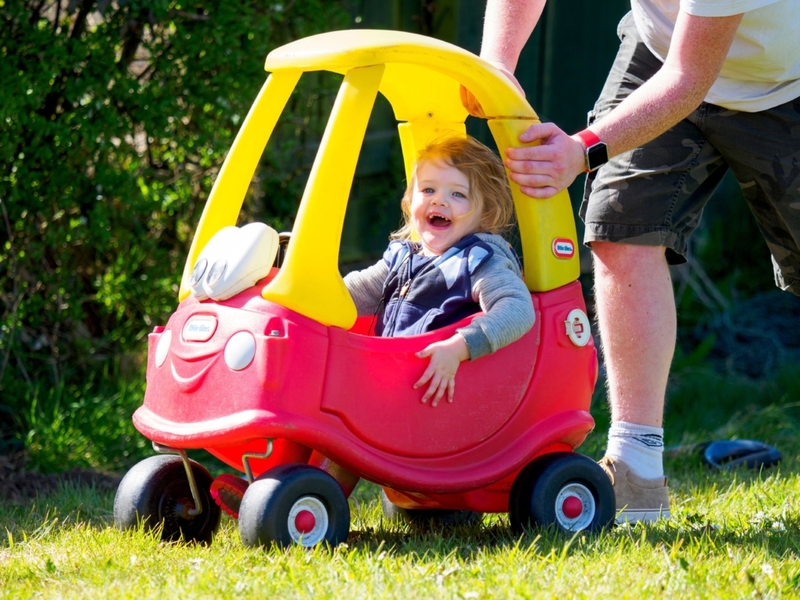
{"x": 654, "y": 195}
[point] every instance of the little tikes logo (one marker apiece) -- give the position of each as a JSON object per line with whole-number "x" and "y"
{"x": 563, "y": 248}
{"x": 199, "y": 328}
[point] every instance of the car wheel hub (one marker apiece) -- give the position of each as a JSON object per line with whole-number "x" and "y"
{"x": 575, "y": 507}
{"x": 308, "y": 521}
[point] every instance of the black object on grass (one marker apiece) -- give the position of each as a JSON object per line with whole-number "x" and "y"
{"x": 729, "y": 454}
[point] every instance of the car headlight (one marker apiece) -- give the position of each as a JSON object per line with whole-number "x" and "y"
{"x": 216, "y": 272}
{"x": 198, "y": 272}
{"x": 162, "y": 349}
{"x": 240, "y": 350}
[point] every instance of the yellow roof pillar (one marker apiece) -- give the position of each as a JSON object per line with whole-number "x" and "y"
{"x": 309, "y": 281}
{"x": 542, "y": 223}
{"x": 225, "y": 202}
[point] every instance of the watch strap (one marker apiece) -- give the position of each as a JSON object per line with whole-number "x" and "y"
{"x": 589, "y": 138}
{"x": 595, "y": 150}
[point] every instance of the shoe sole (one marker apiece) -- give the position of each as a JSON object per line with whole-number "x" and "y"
{"x": 641, "y": 515}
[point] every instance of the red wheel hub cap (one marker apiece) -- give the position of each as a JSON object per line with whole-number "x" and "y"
{"x": 572, "y": 507}
{"x": 305, "y": 521}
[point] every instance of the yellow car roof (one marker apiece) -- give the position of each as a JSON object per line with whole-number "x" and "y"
{"x": 421, "y": 77}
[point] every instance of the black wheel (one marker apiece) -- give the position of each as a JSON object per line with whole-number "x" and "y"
{"x": 428, "y": 517}
{"x": 156, "y": 492}
{"x": 294, "y": 504}
{"x": 564, "y": 489}
{"x": 519, "y": 512}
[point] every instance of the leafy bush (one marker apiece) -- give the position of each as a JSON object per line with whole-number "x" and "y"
{"x": 115, "y": 119}
{"x": 84, "y": 425}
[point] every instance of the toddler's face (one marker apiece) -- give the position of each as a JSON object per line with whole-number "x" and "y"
{"x": 442, "y": 209}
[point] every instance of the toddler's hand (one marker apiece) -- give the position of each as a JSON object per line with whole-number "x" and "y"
{"x": 446, "y": 356}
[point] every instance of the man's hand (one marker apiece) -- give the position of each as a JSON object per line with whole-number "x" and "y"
{"x": 549, "y": 167}
{"x": 446, "y": 357}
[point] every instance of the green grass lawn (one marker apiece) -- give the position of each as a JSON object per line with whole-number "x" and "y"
{"x": 732, "y": 535}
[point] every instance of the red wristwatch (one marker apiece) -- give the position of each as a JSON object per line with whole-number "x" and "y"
{"x": 595, "y": 151}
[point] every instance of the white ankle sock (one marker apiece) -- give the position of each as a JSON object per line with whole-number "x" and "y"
{"x": 641, "y": 447}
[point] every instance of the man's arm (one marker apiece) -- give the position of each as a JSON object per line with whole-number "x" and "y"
{"x": 697, "y": 51}
{"x": 506, "y": 28}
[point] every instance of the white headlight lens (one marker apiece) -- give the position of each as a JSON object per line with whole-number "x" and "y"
{"x": 216, "y": 272}
{"x": 198, "y": 272}
{"x": 162, "y": 349}
{"x": 240, "y": 350}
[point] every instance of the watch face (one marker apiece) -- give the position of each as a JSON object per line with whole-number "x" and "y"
{"x": 596, "y": 156}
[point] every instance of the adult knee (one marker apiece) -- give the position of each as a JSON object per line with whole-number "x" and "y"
{"x": 617, "y": 257}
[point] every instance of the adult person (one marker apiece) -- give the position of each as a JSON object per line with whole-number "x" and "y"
{"x": 698, "y": 87}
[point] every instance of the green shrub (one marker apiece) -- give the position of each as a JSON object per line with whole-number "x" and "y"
{"x": 114, "y": 119}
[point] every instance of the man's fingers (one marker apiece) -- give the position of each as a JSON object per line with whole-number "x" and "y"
{"x": 536, "y": 154}
{"x": 542, "y": 193}
{"x": 533, "y": 180}
{"x": 529, "y": 168}
{"x": 537, "y": 132}
{"x": 532, "y": 183}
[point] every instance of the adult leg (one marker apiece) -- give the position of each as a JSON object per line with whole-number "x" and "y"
{"x": 637, "y": 322}
{"x": 639, "y": 209}
{"x": 636, "y": 318}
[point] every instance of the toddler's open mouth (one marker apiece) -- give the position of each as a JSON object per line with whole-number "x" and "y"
{"x": 439, "y": 221}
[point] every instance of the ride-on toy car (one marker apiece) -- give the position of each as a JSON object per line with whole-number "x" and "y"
{"x": 266, "y": 366}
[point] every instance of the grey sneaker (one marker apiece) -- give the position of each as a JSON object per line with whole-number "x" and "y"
{"x": 637, "y": 498}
